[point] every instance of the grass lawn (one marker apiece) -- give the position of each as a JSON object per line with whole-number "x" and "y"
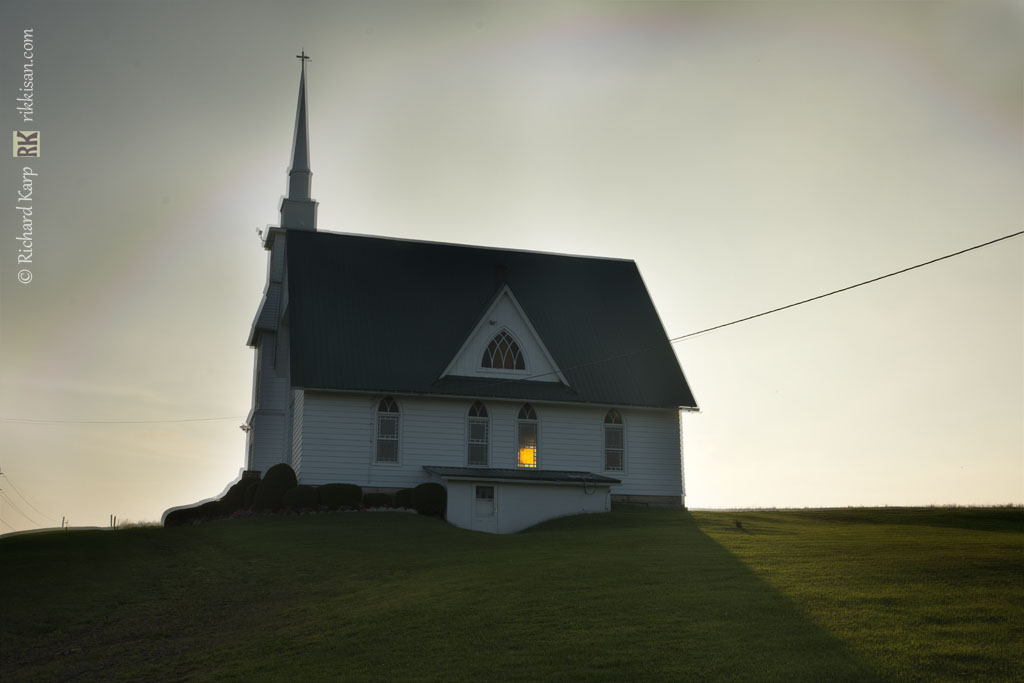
{"x": 828, "y": 595}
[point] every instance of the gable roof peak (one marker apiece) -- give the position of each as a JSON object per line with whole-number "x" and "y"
{"x": 504, "y": 317}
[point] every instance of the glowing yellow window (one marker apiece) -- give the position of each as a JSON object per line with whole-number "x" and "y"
{"x": 527, "y": 456}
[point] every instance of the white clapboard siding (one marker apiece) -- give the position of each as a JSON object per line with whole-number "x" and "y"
{"x": 296, "y": 436}
{"x": 269, "y": 429}
{"x": 276, "y": 262}
{"x": 273, "y": 389}
{"x": 337, "y": 433}
{"x": 653, "y": 457}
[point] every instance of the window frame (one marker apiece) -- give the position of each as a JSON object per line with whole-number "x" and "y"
{"x": 478, "y": 419}
{"x": 396, "y": 415}
{"x": 505, "y": 371}
{"x": 613, "y": 420}
{"x": 493, "y": 499}
{"x": 520, "y": 421}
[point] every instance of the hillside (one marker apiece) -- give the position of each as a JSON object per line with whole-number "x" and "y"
{"x": 652, "y": 595}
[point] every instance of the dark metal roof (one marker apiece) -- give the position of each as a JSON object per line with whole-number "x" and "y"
{"x": 388, "y": 315}
{"x": 548, "y": 476}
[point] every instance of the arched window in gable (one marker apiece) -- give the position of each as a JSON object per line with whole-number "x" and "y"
{"x": 478, "y": 435}
{"x": 503, "y": 353}
{"x": 614, "y": 443}
{"x": 387, "y": 430}
{"x": 526, "y": 428}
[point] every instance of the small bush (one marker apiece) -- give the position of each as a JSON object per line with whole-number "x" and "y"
{"x": 234, "y": 499}
{"x": 179, "y": 517}
{"x": 282, "y": 473}
{"x": 378, "y": 500}
{"x": 213, "y": 509}
{"x": 403, "y": 498}
{"x": 269, "y": 496}
{"x": 270, "y": 492}
{"x": 334, "y": 496}
{"x": 249, "y": 497}
{"x": 301, "y": 498}
{"x": 430, "y": 499}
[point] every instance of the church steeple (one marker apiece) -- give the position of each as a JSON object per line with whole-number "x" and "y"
{"x": 298, "y": 210}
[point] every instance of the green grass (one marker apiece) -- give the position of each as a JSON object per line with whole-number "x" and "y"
{"x": 833, "y": 595}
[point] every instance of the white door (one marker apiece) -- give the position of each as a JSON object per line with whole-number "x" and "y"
{"x": 485, "y": 508}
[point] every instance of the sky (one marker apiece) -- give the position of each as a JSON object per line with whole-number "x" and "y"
{"x": 745, "y": 154}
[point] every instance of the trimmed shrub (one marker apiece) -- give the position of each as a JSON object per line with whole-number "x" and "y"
{"x": 234, "y": 499}
{"x": 403, "y": 498}
{"x": 212, "y": 509}
{"x": 334, "y": 496}
{"x": 179, "y": 517}
{"x": 378, "y": 500}
{"x": 249, "y": 492}
{"x": 430, "y": 499}
{"x": 270, "y": 492}
{"x": 283, "y": 473}
{"x": 301, "y": 498}
{"x": 269, "y": 496}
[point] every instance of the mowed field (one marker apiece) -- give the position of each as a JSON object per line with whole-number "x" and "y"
{"x": 646, "y": 595}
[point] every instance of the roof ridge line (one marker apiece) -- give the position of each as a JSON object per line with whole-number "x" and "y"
{"x": 472, "y": 246}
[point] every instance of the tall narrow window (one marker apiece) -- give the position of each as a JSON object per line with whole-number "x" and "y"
{"x": 387, "y": 430}
{"x": 614, "y": 449}
{"x": 479, "y": 432}
{"x": 503, "y": 353}
{"x": 527, "y": 433}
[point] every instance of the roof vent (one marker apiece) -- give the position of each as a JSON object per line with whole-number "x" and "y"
{"x": 500, "y": 273}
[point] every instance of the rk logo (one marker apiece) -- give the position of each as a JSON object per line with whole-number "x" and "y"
{"x": 26, "y": 143}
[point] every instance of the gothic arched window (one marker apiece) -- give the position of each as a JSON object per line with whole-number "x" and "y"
{"x": 526, "y": 425}
{"x": 478, "y": 435}
{"x": 503, "y": 353}
{"x": 387, "y": 430}
{"x": 614, "y": 444}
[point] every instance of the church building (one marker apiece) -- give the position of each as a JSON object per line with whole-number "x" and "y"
{"x": 531, "y": 385}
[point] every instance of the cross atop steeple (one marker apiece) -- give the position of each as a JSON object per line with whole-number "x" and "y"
{"x": 298, "y": 210}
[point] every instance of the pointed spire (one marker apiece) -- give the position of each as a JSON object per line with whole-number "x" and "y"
{"x": 298, "y": 210}
{"x": 299, "y": 175}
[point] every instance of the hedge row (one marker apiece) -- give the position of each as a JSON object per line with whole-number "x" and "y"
{"x": 279, "y": 490}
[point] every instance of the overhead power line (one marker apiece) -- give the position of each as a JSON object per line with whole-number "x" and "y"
{"x": 20, "y": 495}
{"x": 690, "y": 335}
{"x": 674, "y": 340}
{"x": 3, "y": 496}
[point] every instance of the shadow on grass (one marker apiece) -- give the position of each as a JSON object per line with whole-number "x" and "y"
{"x": 697, "y": 610}
{"x": 624, "y": 596}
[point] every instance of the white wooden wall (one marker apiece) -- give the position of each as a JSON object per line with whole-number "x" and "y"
{"x": 270, "y": 440}
{"x": 519, "y": 506}
{"x": 270, "y": 421}
{"x": 337, "y": 433}
{"x": 298, "y": 397}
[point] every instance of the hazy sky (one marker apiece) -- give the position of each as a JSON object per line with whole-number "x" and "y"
{"x": 745, "y": 155}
